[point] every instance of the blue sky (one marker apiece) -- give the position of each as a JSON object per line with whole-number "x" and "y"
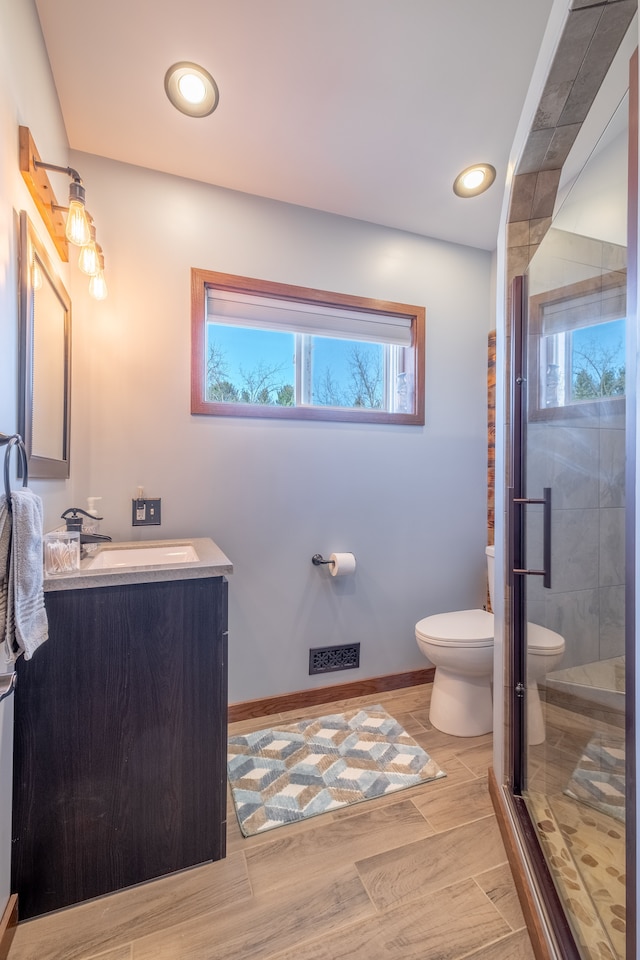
{"x": 611, "y": 336}
{"x": 245, "y": 349}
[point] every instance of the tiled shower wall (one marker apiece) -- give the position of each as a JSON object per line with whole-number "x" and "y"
{"x": 586, "y": 601}
{"x": 583, "y": 461}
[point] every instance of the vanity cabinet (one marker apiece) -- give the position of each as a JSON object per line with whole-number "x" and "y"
{"x": 120, "y": 740}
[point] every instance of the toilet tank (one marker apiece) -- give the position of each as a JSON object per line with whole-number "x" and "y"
{"x": 491, "y": 553}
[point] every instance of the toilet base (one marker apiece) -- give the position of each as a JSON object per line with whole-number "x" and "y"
{"x": 536, "y": 732}
{"x": 461, "y": 706}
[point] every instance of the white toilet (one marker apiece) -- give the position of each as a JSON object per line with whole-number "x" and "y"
{"x": 545, "y": 650}
{"x": 460, "y": 646}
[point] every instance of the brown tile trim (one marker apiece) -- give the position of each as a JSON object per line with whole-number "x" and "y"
{"x": 534, "y": 925}
{"x": 8, "y": 926}
{"x": 587, "y": 47}
{"x": 342, "y": 691}
{"x": 539, "y": 927}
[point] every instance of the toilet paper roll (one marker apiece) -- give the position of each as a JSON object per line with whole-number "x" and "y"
{"x": 342, "y": 564}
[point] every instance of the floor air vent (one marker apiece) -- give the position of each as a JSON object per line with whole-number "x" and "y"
{"x": 328, "y": 659}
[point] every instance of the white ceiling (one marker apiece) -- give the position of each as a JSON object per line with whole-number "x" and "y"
{"x": 366, "y": 108}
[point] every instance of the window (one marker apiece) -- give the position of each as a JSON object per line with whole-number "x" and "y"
{"x": 577, "y": 347}
{"x": 263, "y": 349}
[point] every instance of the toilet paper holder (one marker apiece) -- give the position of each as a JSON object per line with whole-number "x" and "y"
{"x": 340, "y": 564}
{"x": 317, "y": 560}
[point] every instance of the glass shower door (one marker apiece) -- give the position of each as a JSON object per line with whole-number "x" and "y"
{"x": 569, "y": 570}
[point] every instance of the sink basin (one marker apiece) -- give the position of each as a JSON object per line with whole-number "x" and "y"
{"x": 152, "y": 555}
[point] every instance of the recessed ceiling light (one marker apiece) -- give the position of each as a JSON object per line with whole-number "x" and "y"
{"x": 191, "y": 89}
{"x": 474, "y": 180}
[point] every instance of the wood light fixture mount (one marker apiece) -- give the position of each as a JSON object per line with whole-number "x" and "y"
{"x": 41, "y": 190}
{"x": 77, "y": 226}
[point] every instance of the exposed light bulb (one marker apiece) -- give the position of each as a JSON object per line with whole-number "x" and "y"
{"x": 97, "y": 283}
{"x": 78, "y": 230}
{"x": 89, "y": 259}
{"x": 98, "y": 286}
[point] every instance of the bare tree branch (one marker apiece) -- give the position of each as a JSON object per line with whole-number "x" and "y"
{"x": 366, "y": 379}
{"x": 260, "y": 383}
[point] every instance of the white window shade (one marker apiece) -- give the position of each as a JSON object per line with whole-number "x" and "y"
{"x": 584, "y": 310}
{"x": 245, "y": 310}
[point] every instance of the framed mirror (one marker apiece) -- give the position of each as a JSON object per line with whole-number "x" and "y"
{"x": 45, "y": 359}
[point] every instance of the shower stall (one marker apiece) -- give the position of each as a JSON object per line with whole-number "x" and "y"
{"x": 567, "y": 557}
{"x": 569, "y": 544}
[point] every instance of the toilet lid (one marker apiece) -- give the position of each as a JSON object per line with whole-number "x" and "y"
{"x": 462, "y": 627}
{"x": 542, "y": 640}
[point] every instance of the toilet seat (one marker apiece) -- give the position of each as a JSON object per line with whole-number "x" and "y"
{"x": 461, "y": 628}
{"x": 543, "y": 641}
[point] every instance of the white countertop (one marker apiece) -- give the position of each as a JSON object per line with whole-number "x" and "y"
{"x": 212, "y": 562}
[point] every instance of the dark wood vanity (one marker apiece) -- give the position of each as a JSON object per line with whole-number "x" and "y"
{"x": 120, "y": 740}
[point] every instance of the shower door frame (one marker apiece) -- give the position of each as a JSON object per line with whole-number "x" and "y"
{"x": 630, "y": 517}
{"x": 545, "y": 890}
{"x": 546, "y": 893}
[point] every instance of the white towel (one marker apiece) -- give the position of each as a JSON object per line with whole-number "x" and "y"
{"x": 26, "y": 619}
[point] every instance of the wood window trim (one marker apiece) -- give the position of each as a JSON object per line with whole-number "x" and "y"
{"x": 202, "y": 280}
{"x": 537, "y": 304}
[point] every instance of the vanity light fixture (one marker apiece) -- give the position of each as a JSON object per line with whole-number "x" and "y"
{"x": 77, "y": 227}
{"x": 191, "y": 89}
{"x": 474, "y": 180}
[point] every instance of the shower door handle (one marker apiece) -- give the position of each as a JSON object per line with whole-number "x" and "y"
{"x": 545, "y": 500}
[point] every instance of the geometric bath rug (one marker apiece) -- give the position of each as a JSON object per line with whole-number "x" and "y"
{"x": 599, "y": 777}
{"x": 298, "y": 770}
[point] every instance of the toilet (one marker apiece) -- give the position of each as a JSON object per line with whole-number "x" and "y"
{"x": 460, "y": 646}
{"x": 545, "y": 650}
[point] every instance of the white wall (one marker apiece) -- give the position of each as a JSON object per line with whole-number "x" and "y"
{"x": 410, "y": 502}
{"x": 27, "y": 96}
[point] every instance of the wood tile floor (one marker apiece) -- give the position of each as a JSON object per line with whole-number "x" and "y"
{"x": 418, "y": 875}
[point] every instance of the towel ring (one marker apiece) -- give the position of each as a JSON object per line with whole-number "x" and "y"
{"x": 14, "y": 440}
